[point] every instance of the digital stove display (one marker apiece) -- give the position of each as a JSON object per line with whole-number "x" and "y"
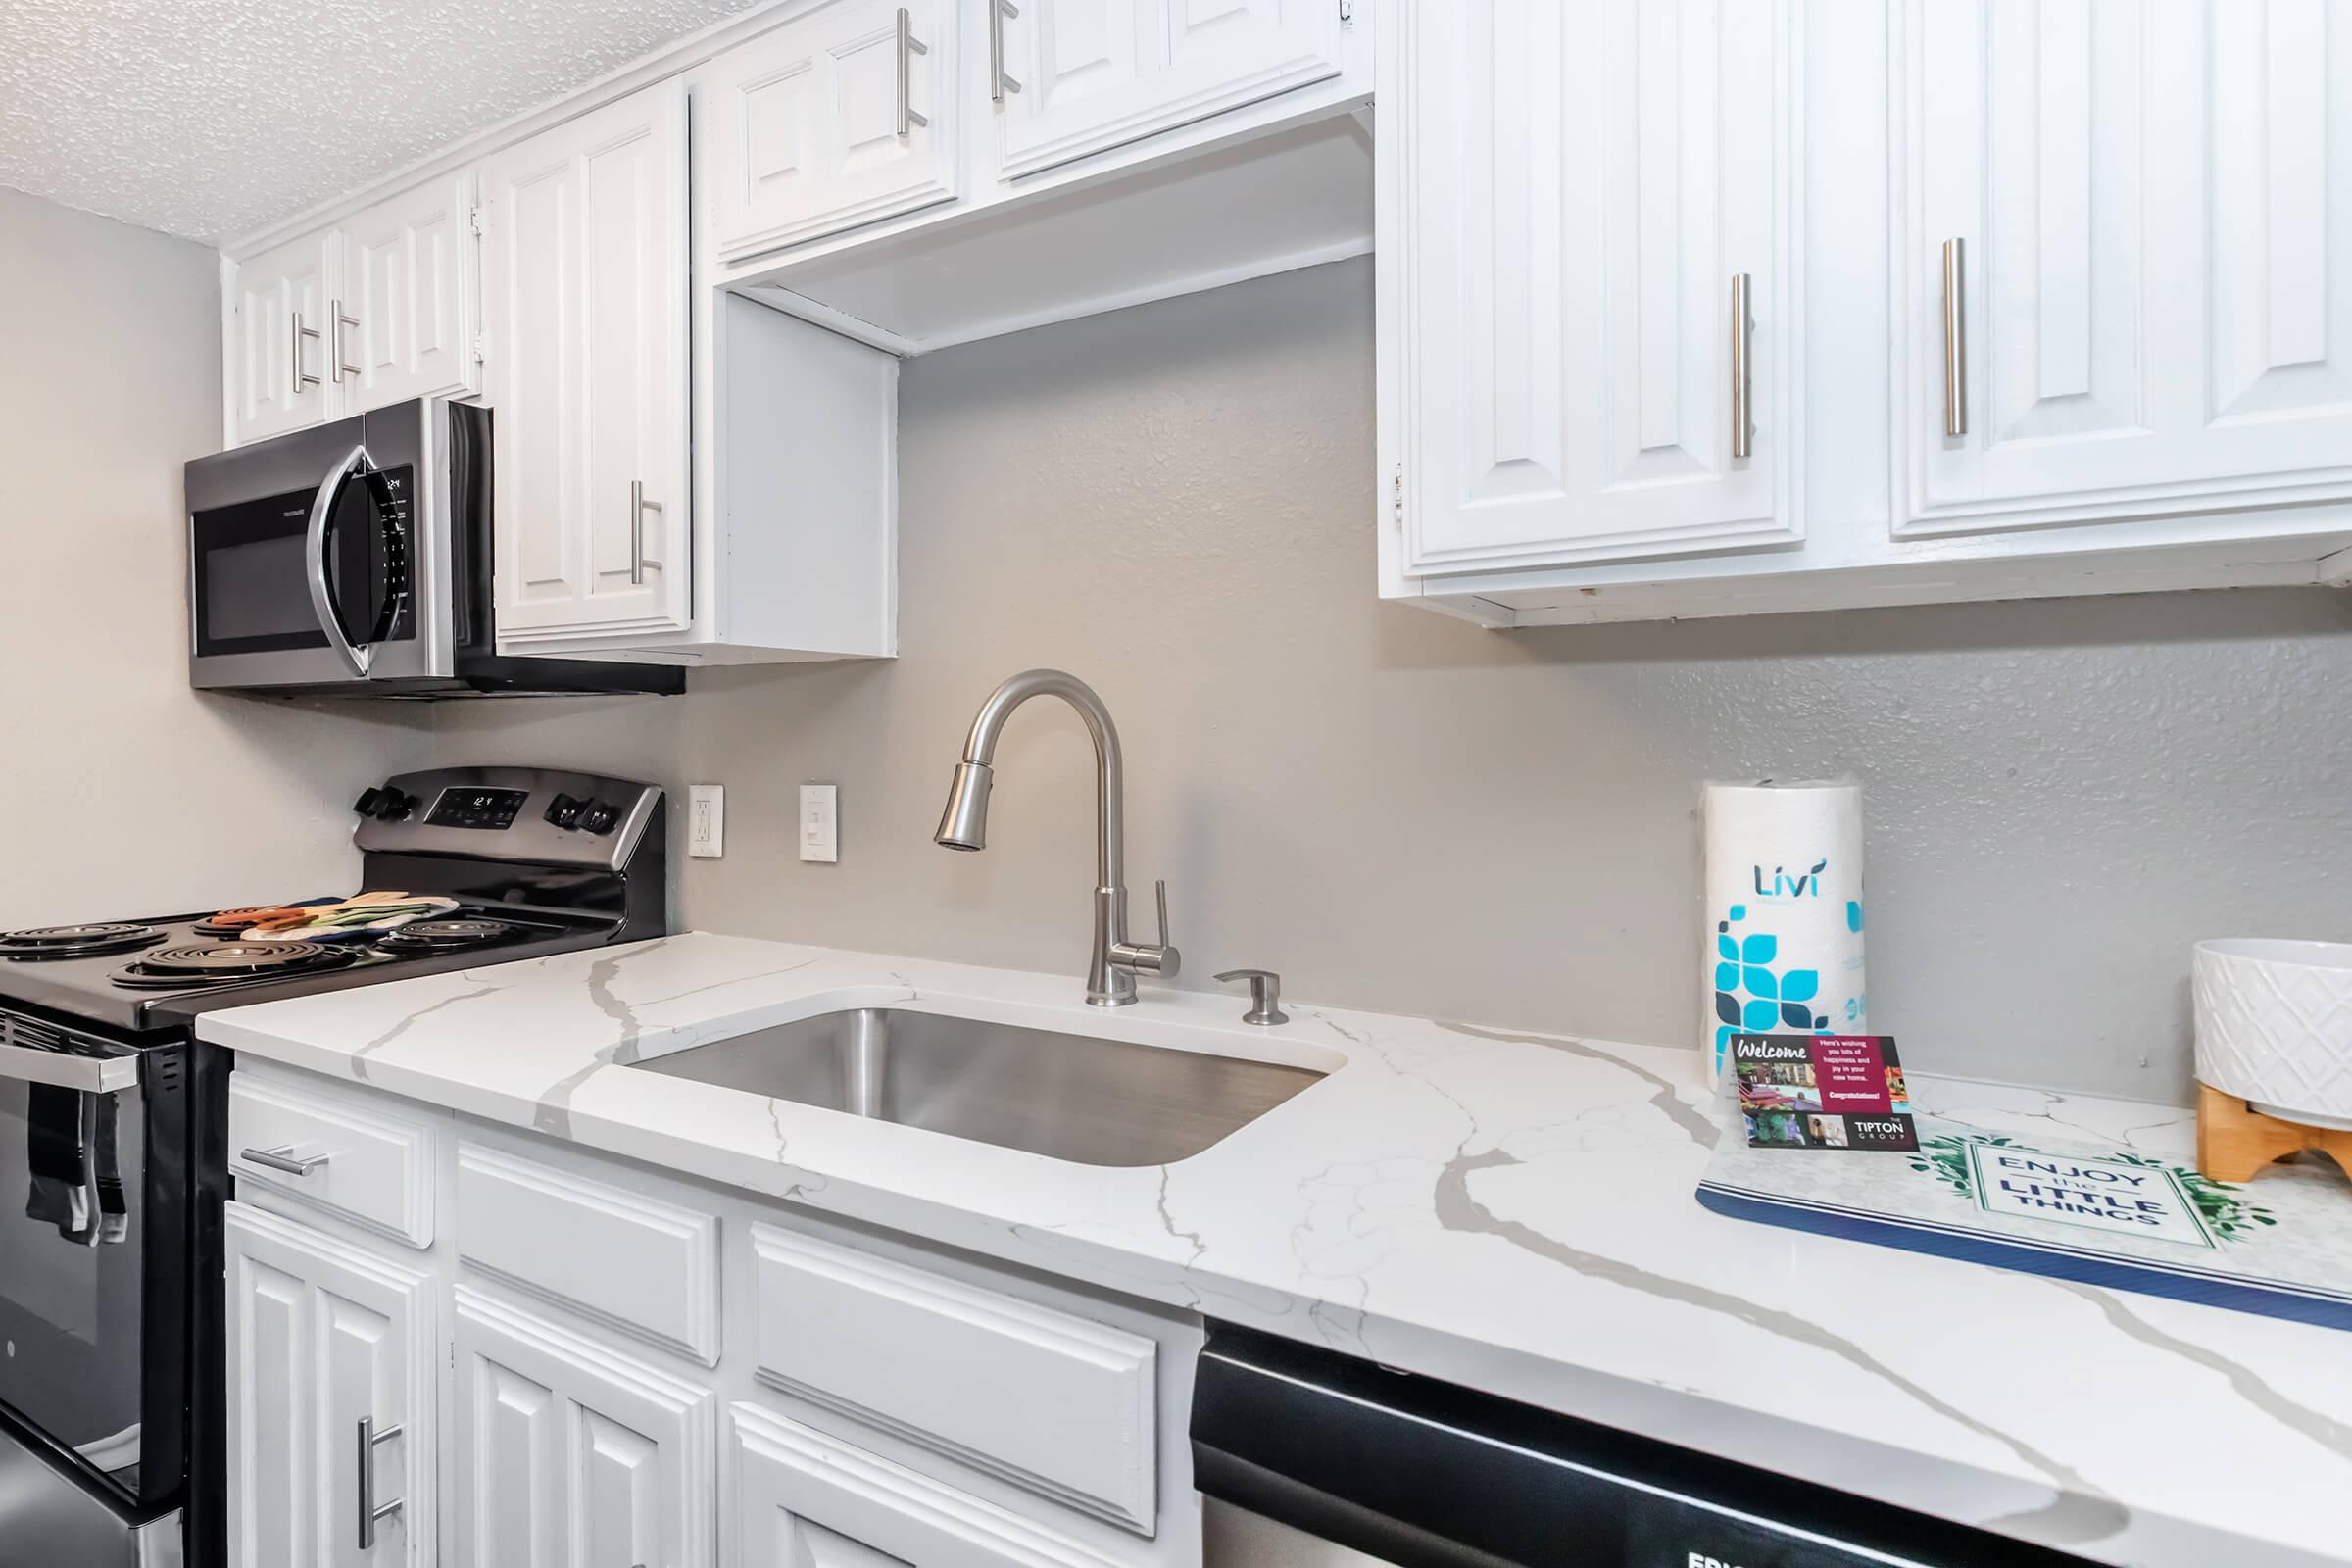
{"x": 490, "y": 810}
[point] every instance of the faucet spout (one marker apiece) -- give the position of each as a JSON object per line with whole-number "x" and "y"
{"x": 963, "y": 825}
{"x": 980, "y": 753}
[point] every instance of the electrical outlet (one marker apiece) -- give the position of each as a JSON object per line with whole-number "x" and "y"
{"x": 820, "y": 833}
{"x": 707, "y": 820}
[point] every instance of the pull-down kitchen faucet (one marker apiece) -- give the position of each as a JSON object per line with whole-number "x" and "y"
{"x": 1111, "y": 972}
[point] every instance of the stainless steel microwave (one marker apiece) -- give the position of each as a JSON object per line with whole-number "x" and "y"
{"x": 356, "y": 559}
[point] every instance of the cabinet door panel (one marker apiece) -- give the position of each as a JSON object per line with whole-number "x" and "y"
{"x": 278, "y": 299}
{"x": 571, "y": 1453}
{"x": 1098, "y": 74}
{"x": 322, "y": 1335}
{"x": 802, "y": 1498}
{"x": 585, "y": 301}
{"x": 2156, "y": 214}
{"x": 1580, "y": 198}
{"x": 806, "y": 123}
{"x": 410, "y": 280}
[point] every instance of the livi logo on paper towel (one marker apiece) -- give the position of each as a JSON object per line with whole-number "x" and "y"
{"x": 1784, "y": 886}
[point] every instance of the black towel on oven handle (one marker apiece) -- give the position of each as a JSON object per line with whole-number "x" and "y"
{"x": 113, "y": 1213}
{"x": 60, "y": 1127}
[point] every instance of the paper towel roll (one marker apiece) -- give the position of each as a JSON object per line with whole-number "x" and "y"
{"x": 1783, "y": 911}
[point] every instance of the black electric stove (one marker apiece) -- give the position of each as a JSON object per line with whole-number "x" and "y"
{"x": 112, "y": 1125}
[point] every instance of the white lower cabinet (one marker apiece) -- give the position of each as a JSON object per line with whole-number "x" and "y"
{"x": 571, "y": 1454}
{"x": 804, "y": 1499}
{"x": 328, "y": 1348}
{"x": 587, "y": 1363}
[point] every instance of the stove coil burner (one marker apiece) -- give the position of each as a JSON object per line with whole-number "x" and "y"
{"x": 222, "y": 963}
{"x": 444, "y": 936}
{"x": 229, "y": 924}
{"x": 77, "y": 941}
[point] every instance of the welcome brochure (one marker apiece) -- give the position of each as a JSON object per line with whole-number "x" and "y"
{"x": 1823, "y": 1091}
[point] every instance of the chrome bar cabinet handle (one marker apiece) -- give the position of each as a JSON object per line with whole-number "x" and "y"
{"x": 370, "y": 1512}
{"x": 1955, "y": 337}
{"x": 338, "y": 365}
{"x": 1743, "y": 326}
{"x": 1000, "y": 81}
{"x": 282, "y": 1159}
{"x": 302, "y": 377}
{"x": 908, "y": 47}
{"x": 638, "y": 508}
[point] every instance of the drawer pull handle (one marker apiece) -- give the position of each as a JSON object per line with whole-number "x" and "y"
{"x": 282, "y": 1159}
{"x": 372, "y": 1513}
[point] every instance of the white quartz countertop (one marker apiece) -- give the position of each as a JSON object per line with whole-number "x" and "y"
{"x": 1513, "y": 1212}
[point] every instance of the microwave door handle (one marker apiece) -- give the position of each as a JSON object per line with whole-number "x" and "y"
{"x": 356, "y": 657}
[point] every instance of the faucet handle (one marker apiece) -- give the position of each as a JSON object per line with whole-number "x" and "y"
{"x": 1265, "y": 995}
{"x": 1170, "y": 961}
{"x": 1150, "y": 958}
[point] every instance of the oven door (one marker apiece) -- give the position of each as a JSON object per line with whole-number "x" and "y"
{"x": 316, "y": 559}
{"x": 93, "y": 1259}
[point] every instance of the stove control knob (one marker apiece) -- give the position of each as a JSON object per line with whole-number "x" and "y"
{"x": 384, "y": 802}
{"x": 600, "y": 818}
{"x": 564, "y": 811}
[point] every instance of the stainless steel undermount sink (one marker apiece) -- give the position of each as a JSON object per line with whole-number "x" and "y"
{"x": 1069, "y": 1096}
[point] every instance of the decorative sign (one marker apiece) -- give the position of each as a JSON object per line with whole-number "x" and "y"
{"x": 2100, "y": 1194}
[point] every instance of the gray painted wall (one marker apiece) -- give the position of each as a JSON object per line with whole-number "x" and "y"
{"x": 1402, "y": 811}
{"x": 122, "y": 791}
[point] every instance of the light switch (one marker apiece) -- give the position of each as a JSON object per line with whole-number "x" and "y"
{"x": 706, "y": 819}
{"x": 820, "y": 834}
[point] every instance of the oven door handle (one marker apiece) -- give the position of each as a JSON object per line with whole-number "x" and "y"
{"x": 93, "y": 1075}
{"x": 356, "y": 463}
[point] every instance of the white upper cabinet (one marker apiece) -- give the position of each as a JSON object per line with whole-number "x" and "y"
{"x": 585, "y": 306}
{"x": 845, "y": 114}
{"x": 331, "y": 1370}
{"x": 1072, "y": 78}
{"x": 377, "y": 310}
{"x": 407, "y": 317}
{"x": 277, "y": 339}
{"x": 2151, "y": 204}
{"x": 1586, "y": 196}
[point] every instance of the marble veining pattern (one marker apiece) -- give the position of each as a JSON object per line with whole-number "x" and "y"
{"x": 1507, "y": 1210}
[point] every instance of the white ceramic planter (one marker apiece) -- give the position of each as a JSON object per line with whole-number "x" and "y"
{"x": 2275, "y": 1026}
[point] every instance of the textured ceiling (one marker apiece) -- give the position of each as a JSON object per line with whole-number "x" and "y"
{"x": 213, "y": 117}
